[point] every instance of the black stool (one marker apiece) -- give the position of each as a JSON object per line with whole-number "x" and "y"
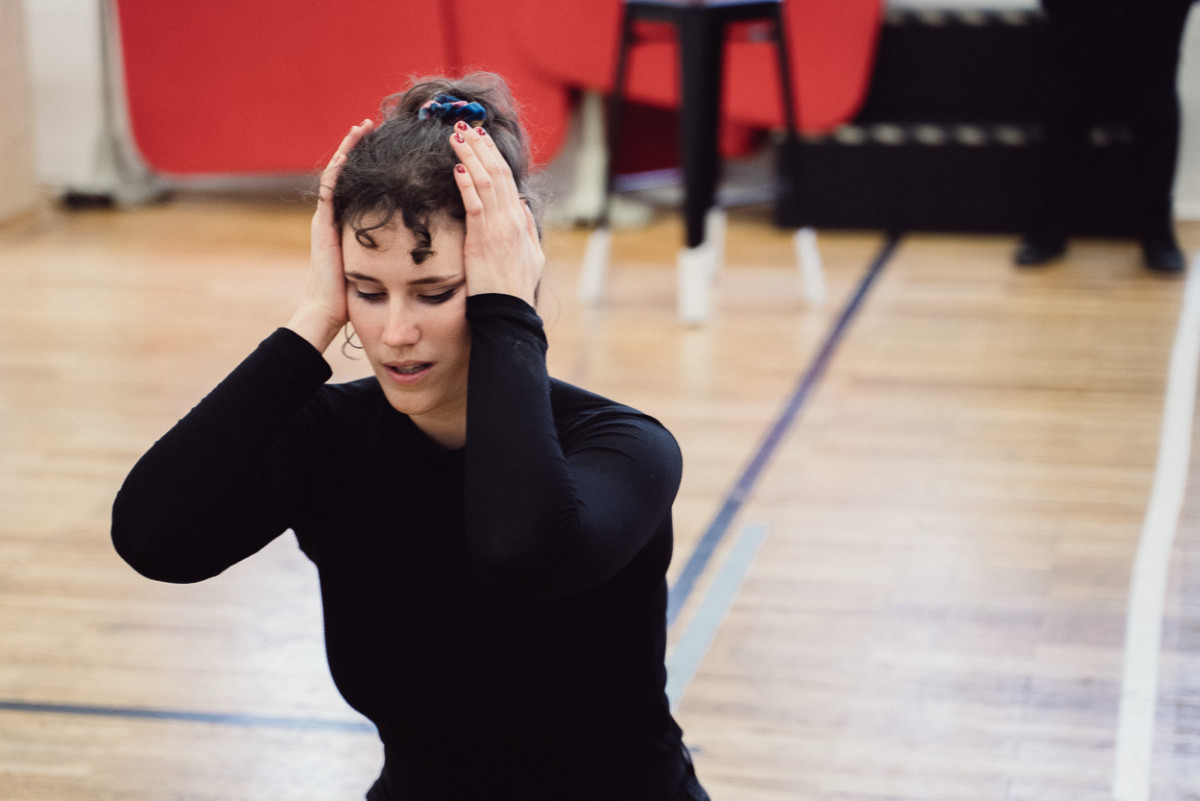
{"x": 701, "y": 27}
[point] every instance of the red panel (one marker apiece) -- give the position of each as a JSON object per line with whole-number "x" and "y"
{"x": 265, "y": 85}
{"x": 832, "y": 46}
{"x": 235, "y": 86}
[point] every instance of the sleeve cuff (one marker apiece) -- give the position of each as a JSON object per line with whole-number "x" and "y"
{"x": 298, "y": 354}
{"x": 483, "y": 309}
{"x": 495, "y": 302}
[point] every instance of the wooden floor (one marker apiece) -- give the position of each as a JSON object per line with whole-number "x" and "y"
{"x": 937, "y": 612}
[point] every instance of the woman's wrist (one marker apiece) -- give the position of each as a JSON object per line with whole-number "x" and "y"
{"x": 315, "y": 326}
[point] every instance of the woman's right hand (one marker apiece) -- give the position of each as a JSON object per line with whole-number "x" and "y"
{"x": 322, "y": 313}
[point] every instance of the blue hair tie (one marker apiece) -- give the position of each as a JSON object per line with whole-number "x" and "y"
{"x": 448, "y": 108}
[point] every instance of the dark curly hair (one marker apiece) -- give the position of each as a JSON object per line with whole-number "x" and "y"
{"x": 406, "y": 165}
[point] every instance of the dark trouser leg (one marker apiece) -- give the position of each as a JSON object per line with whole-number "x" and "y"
{"x": 1075, "y": 64}
{"x": 1150, "y": 72}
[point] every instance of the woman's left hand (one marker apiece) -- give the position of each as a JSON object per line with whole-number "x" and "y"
{"x": 502, "y": 252}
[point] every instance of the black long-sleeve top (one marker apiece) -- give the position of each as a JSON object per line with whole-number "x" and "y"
{"x": 497, "y": 611}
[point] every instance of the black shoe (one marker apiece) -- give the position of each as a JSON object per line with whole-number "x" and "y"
{"x": 1163, "y": 255}
{"x": 1034, "y": 251}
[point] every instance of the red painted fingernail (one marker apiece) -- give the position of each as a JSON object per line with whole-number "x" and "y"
{"x": 459, "y": 138}
{"x": 460, "y": 125}
{"x": 481, "y": 132}
{"x": 459, "y": 168}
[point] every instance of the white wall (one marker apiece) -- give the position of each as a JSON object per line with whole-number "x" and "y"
{"x": 64, "y": 57}
{"x": 18, "y": 186}
{"x": 65, "y": 63}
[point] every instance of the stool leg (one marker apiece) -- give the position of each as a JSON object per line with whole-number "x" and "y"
{"x": 697, "y": 267}
{"x": 790, "y": 120}
{"x": 694, "y": 268}
{"x": 615, "y": 103}
{"x": 595, "y": 265}
{"x": 808, "y": 259}
{"x": 701, "y": 46}
{"x": 714, "y": 237}
{"x": 596, "y": 256}
{"x": 808, "y": 255}
{"x": 702, "y": 55}
{"x": 588, "y": 196}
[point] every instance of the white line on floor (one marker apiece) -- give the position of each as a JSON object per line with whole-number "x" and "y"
{"x": 1147, "y": 589}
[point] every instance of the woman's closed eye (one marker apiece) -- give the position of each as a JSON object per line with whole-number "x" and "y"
{"x": 368, "y": 296}
{"x": 439, "y": 297}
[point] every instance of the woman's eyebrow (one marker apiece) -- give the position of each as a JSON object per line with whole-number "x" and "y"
{"x": 362, "y": 277}
{"x": 434, "y": 279}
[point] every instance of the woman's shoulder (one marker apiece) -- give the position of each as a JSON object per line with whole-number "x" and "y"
{"x": 579, "y": 410}
{"x": 568, "y": 399}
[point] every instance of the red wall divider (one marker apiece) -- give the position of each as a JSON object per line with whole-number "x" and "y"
{"x": 271, "y": 86}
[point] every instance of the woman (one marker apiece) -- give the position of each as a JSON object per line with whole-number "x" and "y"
{"x": 491, "y": 543}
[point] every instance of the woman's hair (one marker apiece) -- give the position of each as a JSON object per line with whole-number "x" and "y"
{"x": 405, "y": 166}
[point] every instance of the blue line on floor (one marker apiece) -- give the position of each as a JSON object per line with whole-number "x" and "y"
{"x": 190, "y": 717}
{"x": 737, "y": 495}
{"x": 702, "y": 629}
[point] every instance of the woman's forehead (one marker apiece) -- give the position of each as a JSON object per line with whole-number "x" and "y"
{"x": 393, "y": 254}
{"x": 395, "y": 232}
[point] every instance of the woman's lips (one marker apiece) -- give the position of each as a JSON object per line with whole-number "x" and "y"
{"x": 408, "y": 372}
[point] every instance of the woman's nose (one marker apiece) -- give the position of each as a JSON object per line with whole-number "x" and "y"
{"x": 402, "y": 328}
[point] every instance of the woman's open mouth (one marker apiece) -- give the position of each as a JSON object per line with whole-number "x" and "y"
{"x": 408, "y": 372}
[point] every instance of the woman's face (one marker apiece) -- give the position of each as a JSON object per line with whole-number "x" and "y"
{"x": 412, "y": 321}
